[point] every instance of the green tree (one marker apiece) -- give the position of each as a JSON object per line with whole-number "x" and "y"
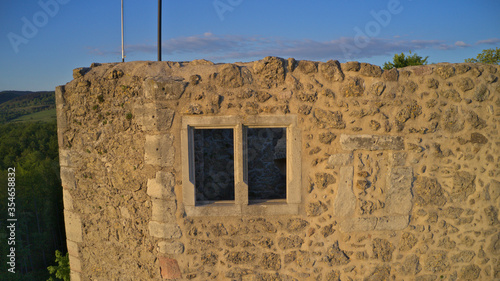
{"x": 61, "y": 270}
{"x": 400, "y": 60}
{"x": 490, "y": 56}
{"x": 31, "y": 148}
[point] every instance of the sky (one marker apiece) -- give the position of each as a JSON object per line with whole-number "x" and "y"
{"x": 42, "y": 41}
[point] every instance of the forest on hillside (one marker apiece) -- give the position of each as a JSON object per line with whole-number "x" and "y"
{"x": 31, "y": 149}
{"x": 14, "y": 104}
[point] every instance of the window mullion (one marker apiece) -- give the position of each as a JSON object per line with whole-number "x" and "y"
{"x": 188, "y": 165}
{"x": 293, "y": 165}
{"x": 240, "y": 165}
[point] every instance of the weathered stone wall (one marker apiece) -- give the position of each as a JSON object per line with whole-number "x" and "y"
{"x": 400, "y": 172}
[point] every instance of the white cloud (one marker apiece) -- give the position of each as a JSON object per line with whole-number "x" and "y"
{"x": 234, "y": 47}
{"x": 461, "y": 44}
{"x": 488, "y": 41}
{"x": 424, "y": 44}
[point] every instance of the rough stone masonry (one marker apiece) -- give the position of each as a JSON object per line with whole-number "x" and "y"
{"x": 398, "y": 174}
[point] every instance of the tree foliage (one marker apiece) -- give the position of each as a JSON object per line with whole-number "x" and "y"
{"x": 61, "y": 270}
{"x": 489, "y": 56}
{"x": 400, "y": 60}
{"x": 32, "y": 149}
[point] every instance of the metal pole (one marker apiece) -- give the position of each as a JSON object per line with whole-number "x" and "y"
{"x": 123, "y": 50}
{"x": 159, "y": 30}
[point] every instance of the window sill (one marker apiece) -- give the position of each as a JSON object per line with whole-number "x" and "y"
{"x": 274, "y": 207}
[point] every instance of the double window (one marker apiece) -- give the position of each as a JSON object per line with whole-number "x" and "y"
{"x": 240, "y": 166}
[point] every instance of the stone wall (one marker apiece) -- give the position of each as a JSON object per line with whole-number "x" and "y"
{"x": 400, "y": 172}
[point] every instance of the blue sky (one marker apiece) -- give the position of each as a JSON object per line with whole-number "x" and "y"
{"x": 41, "y": 42}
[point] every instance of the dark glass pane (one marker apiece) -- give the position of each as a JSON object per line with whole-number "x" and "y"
{"x": 266, "y": 163}
{"x": 214, "y": 164}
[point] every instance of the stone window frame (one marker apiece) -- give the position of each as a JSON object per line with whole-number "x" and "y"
{"x": 241, "y": 205}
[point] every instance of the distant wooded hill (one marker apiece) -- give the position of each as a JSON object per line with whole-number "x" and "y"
{"x": 28, "y": 144}
{"x": 16, "y": 104}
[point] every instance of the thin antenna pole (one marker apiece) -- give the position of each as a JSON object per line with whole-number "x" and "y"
{"x": 123, "y": 50}
{"x": 159, "y": 30}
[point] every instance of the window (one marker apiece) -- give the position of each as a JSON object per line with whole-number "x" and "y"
{"x": 213, "y": 164}
{"x": 241, "y": 166}
{"x": 266, "y": 154}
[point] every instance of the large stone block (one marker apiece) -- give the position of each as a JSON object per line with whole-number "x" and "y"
{"x": 229, "y": 76}
{"x": 399, "y": 195}
{"x": 453, "y": 119}
{"x": 340, "y": 159}
{"x": 329, "y": 119}
{"x": 154, "y": 117}
{"x": 61, "y": 108}
{"x": 351, "y": 66}
{"x": 73, "y": 226}
{"x": 382, "y": 250}
{"x": 75, "y": 264}
{"x": 445, "y": 71}
{"x": 428, "y": 191}
{"x": 73, "y": 248}
{"x": 162, "y": 187}
{"x": 335, "y": 256}
{"x": 463, "y": 186}
{"x": 67, "y": 200}
{"x": 345, "y": 202}
{"x": 470, "y": 272}
{"x": 159, "y": 150}
{"x": 61, "y": 117}
{"x": 307, "y": 67}
{"x": 399, "y": 158}
{"x": 370, "y": 70}
{"x": 390, "y": 75}
{"x": 331, "y": 71}
{"x": 65, "y": 158}
{"x": 164, "y": 230}
{"x": 169, "y": 268}
{"x": 359, "y": 224}
{"x": 494, "y": 188}
{"x": 80, "y": 72}
{"x": 377, "y": 88}
{"x": 59, "y": 93}
{"x": 352, "y": 87}
{"x": 371, "y": 142}
{"x": 75, "y": 276}
{"x": 68, "y": 180}
{"x": 171, "y": 248}
{"x": 494, "y": 246}
{"x": 392, "y": 222}
{"x": 164, "y": 88}
{"x": 163, "y": 210}
{"x": 271, "y": 70}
